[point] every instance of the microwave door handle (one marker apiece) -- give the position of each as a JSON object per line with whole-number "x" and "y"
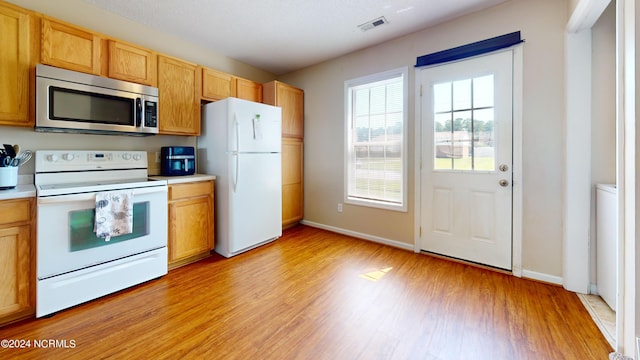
{"x": 138, "y": 112}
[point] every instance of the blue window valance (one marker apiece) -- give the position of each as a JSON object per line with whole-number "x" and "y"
{"x": 469, "y": 50}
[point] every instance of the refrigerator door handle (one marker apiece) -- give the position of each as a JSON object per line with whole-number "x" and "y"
{"x": 235, "y": 152}
{"x": 235, "y": 179}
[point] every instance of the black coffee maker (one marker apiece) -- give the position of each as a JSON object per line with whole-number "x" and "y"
{"x": 177, "y": 160}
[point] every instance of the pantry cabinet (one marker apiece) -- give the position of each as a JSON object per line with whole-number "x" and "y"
{"x": 179, "y": 96}
{"x": 69, "y": 47}
{"x": 191, "y": 225}
{"x": 248, "y": 90}
{"x": 292, "y": 181}
{"x": 17, "y": 260}
{"x": 291, "y": 100}
{"x": 132, "y": 63}
{"x": 16, "y": 54}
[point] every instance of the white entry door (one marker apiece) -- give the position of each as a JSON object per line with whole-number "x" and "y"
{"x": 466, "y": 175}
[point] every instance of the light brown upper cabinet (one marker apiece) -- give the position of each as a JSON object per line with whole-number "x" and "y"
{"x": 69, "y": 47}
{"x": 179, "y": 96}
{"x": 217, "y": 85}
{"x": 248, "y": 90}
{"x": 291, "y": 100}
{"x": 16, "y": 55}
{"x": 132, "y": 63}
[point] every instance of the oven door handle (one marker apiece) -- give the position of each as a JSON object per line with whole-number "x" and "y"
{"x": 92, "y": 195}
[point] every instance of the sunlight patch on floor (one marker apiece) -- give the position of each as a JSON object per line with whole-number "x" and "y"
{"x": 376, "y": 275}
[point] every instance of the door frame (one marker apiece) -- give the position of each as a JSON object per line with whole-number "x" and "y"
{"x": 517, "y": 189}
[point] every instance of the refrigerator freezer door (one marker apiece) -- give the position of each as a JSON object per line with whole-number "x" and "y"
{"x": 254, "y": 127}
{"x": 255, "y": 215}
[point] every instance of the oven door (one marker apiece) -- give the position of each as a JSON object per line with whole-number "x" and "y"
{"x": 66, "y": 241}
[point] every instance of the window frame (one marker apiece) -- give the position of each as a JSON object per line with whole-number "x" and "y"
{"x": 348, "y": 146}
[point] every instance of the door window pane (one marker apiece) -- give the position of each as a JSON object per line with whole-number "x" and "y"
{"x": 483, "y": 140}
{"x": 483, "y": 91}
{"x": 462, "y": 94}
{"x": 464, "y": 125}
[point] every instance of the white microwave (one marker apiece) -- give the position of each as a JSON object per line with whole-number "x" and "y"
{"x": 70, "y": 101}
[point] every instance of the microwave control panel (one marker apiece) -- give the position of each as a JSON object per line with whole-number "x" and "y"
{"x": 150, "y": 114}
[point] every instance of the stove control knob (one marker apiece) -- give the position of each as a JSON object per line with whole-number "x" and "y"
{"x": 68, "y": 157}
{"x": 126, "y": 156}
{"x": 136, "y": 157}
{"x": 52, "y": 157}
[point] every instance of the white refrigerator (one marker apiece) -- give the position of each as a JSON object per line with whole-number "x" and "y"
{"x": 240, "y": 144}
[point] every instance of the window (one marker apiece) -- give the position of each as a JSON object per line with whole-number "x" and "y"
{"x": 375, "y": 158}
{"x": 463, "y": 125}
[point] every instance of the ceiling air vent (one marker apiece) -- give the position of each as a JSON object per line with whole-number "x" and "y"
{"x": 373, "y": 23}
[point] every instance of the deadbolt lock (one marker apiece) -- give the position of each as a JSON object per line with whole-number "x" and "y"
{"x": 503, "y": 167}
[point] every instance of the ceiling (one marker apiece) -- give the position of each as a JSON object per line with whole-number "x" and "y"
{"x": 281, "y": 36}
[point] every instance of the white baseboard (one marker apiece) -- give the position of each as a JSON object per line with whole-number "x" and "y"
{"x": 557, "y": 280}
{"x": 359, "y": 235}
{"x": 377, "y": 239}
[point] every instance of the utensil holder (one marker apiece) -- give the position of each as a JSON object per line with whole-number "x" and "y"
{"x": 8, "y": 177}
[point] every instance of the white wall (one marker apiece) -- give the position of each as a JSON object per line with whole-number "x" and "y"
{"x": 542, "y": 23}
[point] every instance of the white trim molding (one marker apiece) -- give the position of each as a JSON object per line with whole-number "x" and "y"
{"x": 577, "y": 172}
{"x": 546, "y": 278}
{"x": 359, "y": 235}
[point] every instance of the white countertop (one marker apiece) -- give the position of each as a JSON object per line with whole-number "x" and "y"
{"x": 183, "y": 179}
{"x": 24, "y": 189}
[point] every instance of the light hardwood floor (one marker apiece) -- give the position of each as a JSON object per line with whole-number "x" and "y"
{"x": 313, "y": 294}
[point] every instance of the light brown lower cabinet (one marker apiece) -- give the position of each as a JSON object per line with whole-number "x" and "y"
{"x": 191, "y": 224}
{"x": 292, "y": 181}
{"x": 17, "y": 260}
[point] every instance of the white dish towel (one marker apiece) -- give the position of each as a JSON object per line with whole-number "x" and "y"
{"x": 114, "y": 214}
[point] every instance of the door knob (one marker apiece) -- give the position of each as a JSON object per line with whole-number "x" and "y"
{"x": 503, "y": 167}
{"x": 503, "y": 182}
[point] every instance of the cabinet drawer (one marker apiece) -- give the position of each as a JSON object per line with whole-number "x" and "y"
{"x": 13, "y": 211}
{"x": 189, "y": 190}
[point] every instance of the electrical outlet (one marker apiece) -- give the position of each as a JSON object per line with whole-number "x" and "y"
{"x": 339, "y": 207}
{"x": 157, "y": 156}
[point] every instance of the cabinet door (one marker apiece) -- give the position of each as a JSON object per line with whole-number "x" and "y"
{"x": 70, "y": 47}
{"x": 291, "y": 100}
{"x": 179, "y": 97}
{"x": 292, "y": 181}
{"x": 217, "y": 85}
{"x": 132, "y": 63}
{"x": 15, "y": 271}
{"x": 15, "y": 60}
{"x": 17, "y": 263}
{"x": 190, "y": 227}
{"x": 248, "y": 90}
